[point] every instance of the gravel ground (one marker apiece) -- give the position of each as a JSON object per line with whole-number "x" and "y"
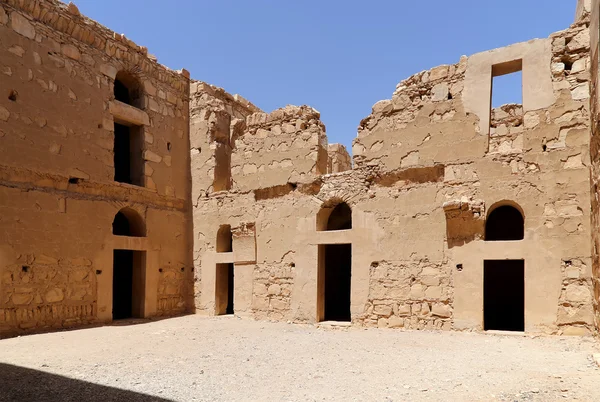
{"x": 195, "y": 358}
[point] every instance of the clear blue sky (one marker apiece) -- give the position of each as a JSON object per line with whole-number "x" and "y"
{"x": 339, "y": 57}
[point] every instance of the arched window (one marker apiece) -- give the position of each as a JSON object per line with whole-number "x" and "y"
{"x": 505, "y": 222}
{"x": 128, "y": 222}
{"x": 128, "y": 89}
{"x": 335, "y": 218}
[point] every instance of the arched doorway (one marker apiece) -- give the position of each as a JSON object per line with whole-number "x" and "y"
{"x": 335, "y": 266}
{"x": 504, "y": 280}
{"x": 129, "y": 268}
{"x": 225, "y": 273}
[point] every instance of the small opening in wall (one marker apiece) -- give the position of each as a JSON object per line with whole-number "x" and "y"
{"x": 127, "y": 89}
{"x": 160, "y": 270}
{"x": 374, "y": 264}
{"x": 567, "y": 62}
{"x": 182, "y": 269}
{"x": 13, "y": 95}
{"x": 25, "y": 268}
{"x": 168, "y": 146}
{"x": 293, "y": 264}
{"x": 544, "y": 148}
{"x": 459, "y": 267}
{"x": 74, "y": 180}
{"x": 98, "y": 271}
{"x": 449, "y": 96}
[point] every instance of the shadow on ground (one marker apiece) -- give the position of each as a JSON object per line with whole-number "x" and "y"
{"x": 23, "y": 384}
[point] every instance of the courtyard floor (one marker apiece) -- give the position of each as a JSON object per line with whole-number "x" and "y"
{"x": 195, "y": 358}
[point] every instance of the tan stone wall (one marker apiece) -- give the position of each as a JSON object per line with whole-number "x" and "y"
{"x": 430, "y": 164}
{"x": 56, "y": 235}
{"x": 338, "y": 159}
{"x": 595, "y": 151}
{"x": 288, "y": 145}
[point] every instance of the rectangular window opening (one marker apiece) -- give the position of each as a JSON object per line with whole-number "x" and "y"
{"x": 128, "y": 156}
{"x": 506, "y": 113}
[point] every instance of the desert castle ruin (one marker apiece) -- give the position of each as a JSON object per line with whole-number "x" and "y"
{"x": 131, "y": 190}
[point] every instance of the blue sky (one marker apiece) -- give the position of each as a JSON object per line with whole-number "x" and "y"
{"x": 339, "y": 57}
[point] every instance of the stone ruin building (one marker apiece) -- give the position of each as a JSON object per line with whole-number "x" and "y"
{"x": 129, "y": 190}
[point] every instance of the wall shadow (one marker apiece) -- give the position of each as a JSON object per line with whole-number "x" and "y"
{"x": 23, "y": 384}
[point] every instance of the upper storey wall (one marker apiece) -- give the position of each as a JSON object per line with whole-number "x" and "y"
{"x": 236, "y": 146}
{"x": 288, "y": 145}
{"x": 61, "y": 68}
{"x": 442, "y": 116}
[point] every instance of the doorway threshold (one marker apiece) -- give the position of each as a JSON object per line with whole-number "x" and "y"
{"x": 334, "y": 324}
{"x": 504, "y": 333}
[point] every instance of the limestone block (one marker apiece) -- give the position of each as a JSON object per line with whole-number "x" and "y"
{"x": 54, "y": 295}
{"x": 70, "y": 51}
{"x": 21, "y": 299}
{"x": 441, "y": 310}
{"x": 581, "y": 92}
{"x": 395, "y": 322}
{"x": 152, "y": 157}
{"x": 17, "y": 50}
{"x": 579, "y": 66}
{"x": 438, "y": 73}
{"x": 382, "y": 310}
{"x": 580, "y": 42}
{"x": 127, "y": 114}
{"x": 4, "y": 114}
{"x": 21, "y": 25}
{"x": 578, "y": 293}
{"x": 3, "y": 17}
{"x": 440, "y": 92}
{"x": 108, "y": 70}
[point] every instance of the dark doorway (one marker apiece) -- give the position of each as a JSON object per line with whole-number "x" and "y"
{"x": 128, "y": 284}
{"x": 224, "y": 302}
{"x": 335, "y": 273}
{"x": 504, "y": 295}
{"x": 504, "y": 223}
{"x": 128, "y": 158}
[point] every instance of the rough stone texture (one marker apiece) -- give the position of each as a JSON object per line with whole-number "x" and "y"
{"x": 338, "y": 159}
{"x": 426, "y": 175}
{"x": 429, "y": 166}
{"x": 56, "y": 241}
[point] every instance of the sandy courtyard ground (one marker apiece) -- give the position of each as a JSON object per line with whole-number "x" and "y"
{"x": 227, "y": 359}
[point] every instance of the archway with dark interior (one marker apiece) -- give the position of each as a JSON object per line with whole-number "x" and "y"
{"x": 335, "y": 266}
{"x": 128, "y": 89}
{"x": 505, "y": 223}
{"x": 128, "y": 222}
{"x": 128, "y": 268}
{"x": 225, "y": 273}
{"x": 504, "y": 280}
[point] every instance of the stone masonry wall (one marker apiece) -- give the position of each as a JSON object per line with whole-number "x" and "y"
{"x": 338, "y": 159}
{"x": 288, "y": 145}
{"x": 427, "y": 174}
{"x": 59, "y": 198}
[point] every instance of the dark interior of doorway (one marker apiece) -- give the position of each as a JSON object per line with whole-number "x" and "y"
{"x": 504, "y": 295}
{"x": 225, "y": 289}
{"x": 128, "y": 284}
{"x": 338, "y": 272}
{"x": 122, "y": 284}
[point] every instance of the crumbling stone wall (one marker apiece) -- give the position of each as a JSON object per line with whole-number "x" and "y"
{"x": 57, "y": 187}
{"x": 288, "y": 145}
{"x": 338, "y": 159}
{"x": 429, "y": 167}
